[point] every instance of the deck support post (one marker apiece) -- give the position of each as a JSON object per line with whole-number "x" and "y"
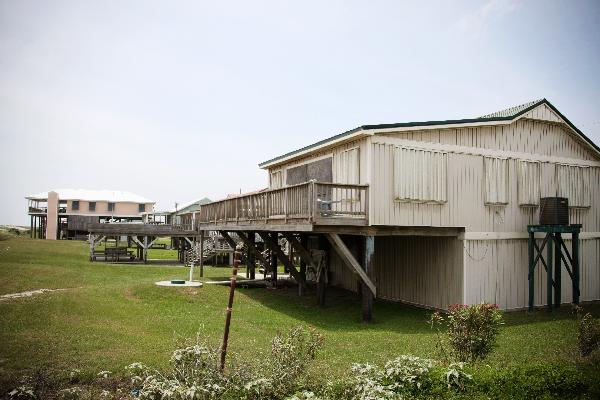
{"x": 367, "y": 295}
{"x": 250, "y": 258}
{"x": 362, "y": 271}
{"x": 300, "y": 246}
{"x": 250, "y": 242}
{"x": 274, "y": 262}
{"x": 145, "y": 249}
{"x": 274, "y": 247}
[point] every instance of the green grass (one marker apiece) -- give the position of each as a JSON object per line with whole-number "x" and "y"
{"x": 112, "y": 315}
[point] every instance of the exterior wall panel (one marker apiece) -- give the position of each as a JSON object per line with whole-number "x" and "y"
{"x": 425, "y": 271}
{"x": 496, "y": 271}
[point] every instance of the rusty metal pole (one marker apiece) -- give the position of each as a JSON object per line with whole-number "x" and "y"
{"x": 234, "y": 272}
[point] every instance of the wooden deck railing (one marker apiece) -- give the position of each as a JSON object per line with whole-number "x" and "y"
{"x": 312, "y": 202}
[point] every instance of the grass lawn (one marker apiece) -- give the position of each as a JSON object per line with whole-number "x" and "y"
{"x": 112, "y": 315}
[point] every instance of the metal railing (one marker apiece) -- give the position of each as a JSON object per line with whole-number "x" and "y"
{"x": 314, "y": 202}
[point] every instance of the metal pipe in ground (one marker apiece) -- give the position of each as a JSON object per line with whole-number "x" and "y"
{"x": 236, "y": 263}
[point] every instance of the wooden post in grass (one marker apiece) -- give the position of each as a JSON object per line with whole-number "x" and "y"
{"x": 234, "y": 272}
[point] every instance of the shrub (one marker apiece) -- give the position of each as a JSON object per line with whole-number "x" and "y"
{"x": 588, "y": 335}
{"x": 408, "y": 372}
{"x": 472, "y": 330}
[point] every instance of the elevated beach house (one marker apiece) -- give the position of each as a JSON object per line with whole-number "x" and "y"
{"x": 429, "y": 213}
{"x": 65, "y": 213}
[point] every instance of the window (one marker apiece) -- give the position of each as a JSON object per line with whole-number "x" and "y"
{"x": 528, "y": 183}
{"x": 75, "y": 205}
{"x": 496, "y": 180}
{"x": 275, "y": 180}
{"x": 141, "y": 208}
{"x": 111, "y": 206}
{"x": 320, "y": 170}
{"x": 420, "y": 175}
{"x": 573, "y": 184}
{"x": 92, "y": 206}
{"x": 349, "y": 169}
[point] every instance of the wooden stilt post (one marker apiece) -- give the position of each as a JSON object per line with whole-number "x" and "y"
{"x": 31, "y": 227}
{"x": 367, "y": 295}
{"x": 145, "y": 249}
{"x": 531, "y": 275}
{"x": 557, "y": 269}
{"x": 250, "y": 257}
{"x": 549, "y": 264}
{"x": 274, "y": 261}
{"x": 304, "y": 243}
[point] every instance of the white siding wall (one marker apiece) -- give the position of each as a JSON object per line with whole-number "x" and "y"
{"x": 465, "y": 206}
{"x": 496, "y": 272}
{"x": 425, "y": 271}
{"x": 524, "y": 135}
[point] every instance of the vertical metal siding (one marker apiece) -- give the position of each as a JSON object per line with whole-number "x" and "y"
{"x": 418, "y": 270}
{"x": 496, "y": 272}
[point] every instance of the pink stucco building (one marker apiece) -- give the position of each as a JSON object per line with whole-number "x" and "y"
{"x": 65, "y": 213}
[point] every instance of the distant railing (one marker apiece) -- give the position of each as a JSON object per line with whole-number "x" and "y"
{"x": 314, "y": 202}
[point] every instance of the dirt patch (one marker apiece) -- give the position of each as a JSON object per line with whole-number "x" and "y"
{"x": 129, "y": 295}
{"x": 28, "y": 293}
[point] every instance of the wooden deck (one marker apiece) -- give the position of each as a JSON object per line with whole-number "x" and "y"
{"x": 136, "y": 229}
{"x": 297, "y": 208}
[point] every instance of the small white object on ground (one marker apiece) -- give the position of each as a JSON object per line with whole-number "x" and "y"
{"x": 186, "y": 284}
{"x": 28, "y": 293}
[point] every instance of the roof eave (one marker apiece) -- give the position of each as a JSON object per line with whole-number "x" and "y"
{"x": 382, "y": 128}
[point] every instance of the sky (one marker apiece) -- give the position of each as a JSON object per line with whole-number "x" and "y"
{"x": 178, "y": 100}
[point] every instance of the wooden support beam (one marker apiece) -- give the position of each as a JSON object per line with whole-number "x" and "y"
{"x": 305, "y": 257}
{"x": 250, "y": 257}
{"x": 252, "y": 245}
{"x": 273, "y": 246}
{"x": 145, "y": 249}
{"x": 137, "y": 241}
{"x": 274, "y": 265}
{"x": 297, "y": 245}
{"x": 367, "y": 295}
{"x": 228, "y": 239}
{"x": 340, "y": 248}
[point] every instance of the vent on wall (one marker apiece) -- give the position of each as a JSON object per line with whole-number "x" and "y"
{"x": 554, "y": 211}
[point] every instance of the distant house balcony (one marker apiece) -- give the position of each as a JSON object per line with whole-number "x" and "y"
{"x": 292, "y": 208}
{"x": 44, "y": 210}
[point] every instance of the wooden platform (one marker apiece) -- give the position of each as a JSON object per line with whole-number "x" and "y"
{"x": 140, "y": 230}
{"x": 297, "y": 208}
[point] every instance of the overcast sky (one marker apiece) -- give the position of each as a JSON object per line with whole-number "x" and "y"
{"x": 180, "y": 100}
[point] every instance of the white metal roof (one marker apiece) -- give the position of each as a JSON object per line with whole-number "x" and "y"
{"x": 114, "y": 196}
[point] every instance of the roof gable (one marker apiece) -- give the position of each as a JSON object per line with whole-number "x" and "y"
{"x": 540, "y": 109}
